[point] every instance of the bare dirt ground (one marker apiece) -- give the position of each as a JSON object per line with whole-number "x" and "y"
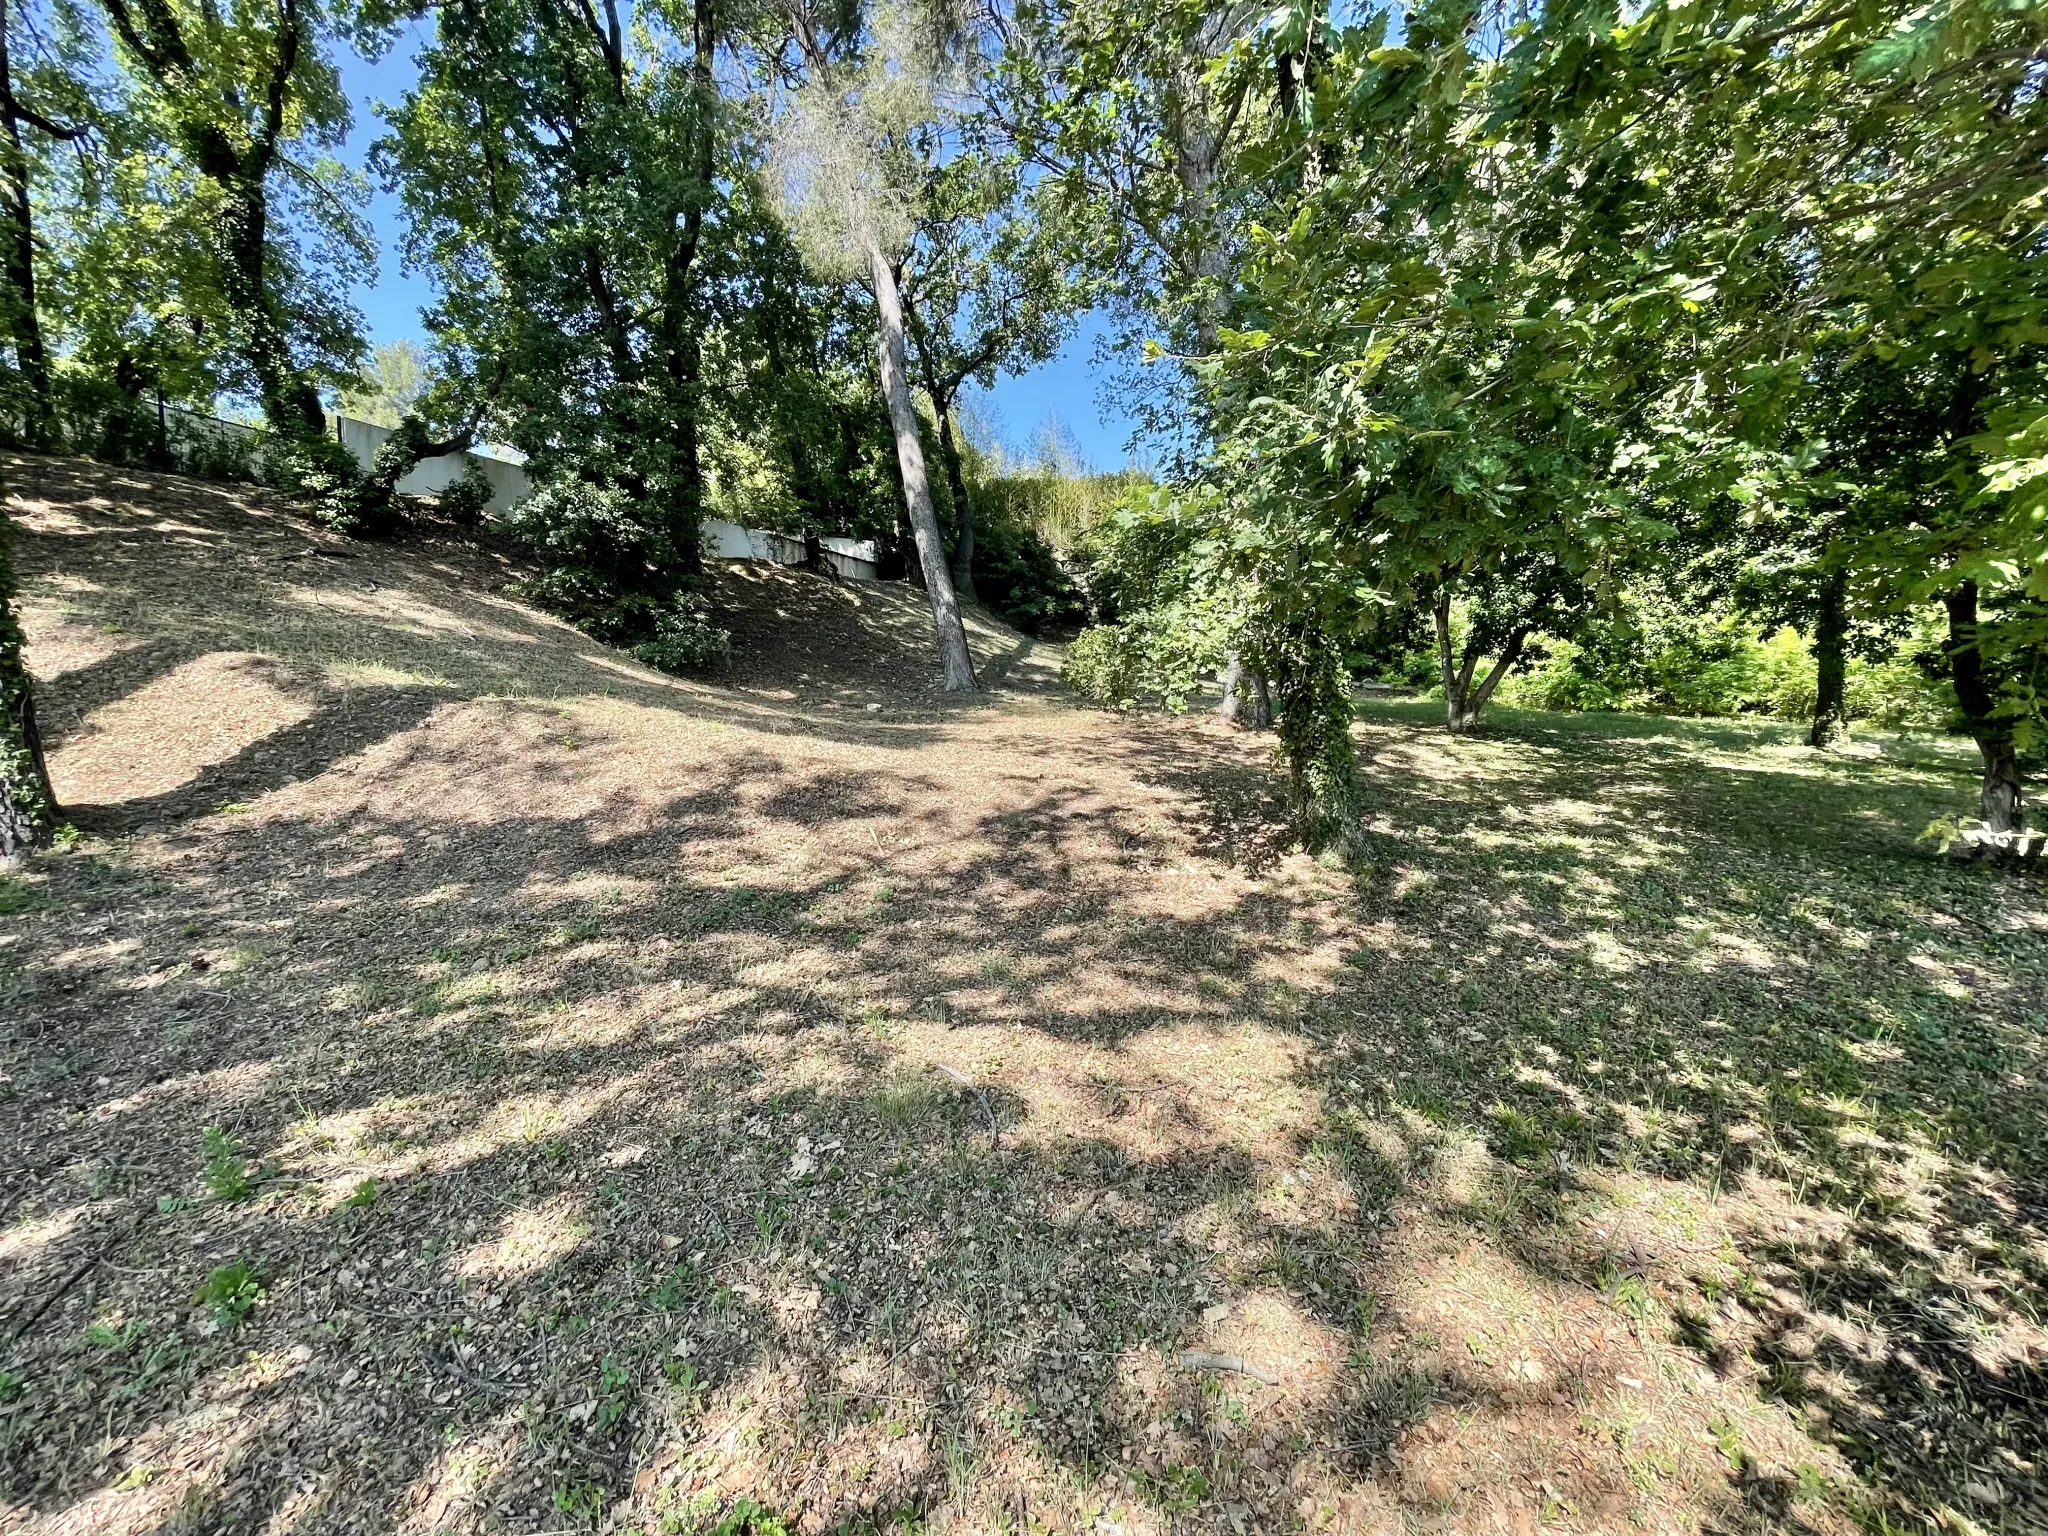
{"x": 459, "y": 1080}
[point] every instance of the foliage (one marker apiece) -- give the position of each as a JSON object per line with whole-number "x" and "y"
{"x": 230, "y": 1293}
{"x": 1163, "y": 625}
{"x": 388, "y": 390}
{"x": 610, "y": 569}
{"x": 469, "y": 498}
{"x": 1016, "y": 571}
{"x": 684, "y": 639}
{"x": 248, "y": 101}
{"x": 227, "y": 1170}
{"x": 28, "y": 809}
{"x": 608, "y": 563}
{"x": 319, "y": 471}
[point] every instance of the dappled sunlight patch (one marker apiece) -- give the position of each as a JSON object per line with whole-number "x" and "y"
{"x": 1561, "y": 1406}
{"x": 26, "y": 1236}
{"x": 196, "y": 1093}
{"x": 457, "y": 1480}
{"x": 528, "y": 1240}
{"x": 174, "y": 1471}
{"x": 162, "y": 735}
{"x": 63, "y": 645}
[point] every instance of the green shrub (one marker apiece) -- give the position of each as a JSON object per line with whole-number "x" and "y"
{"x": 468, "y": 499}
{"x": 685, "y": 639}
{"x": 609, "y": 567}
{"x": 616, "y": 571}
{"x": 317, "y": 470}
{"x": 1152, "y": 653}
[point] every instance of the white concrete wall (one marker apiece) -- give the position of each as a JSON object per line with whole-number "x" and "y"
{"x": 850, "y": 558}
{"x": 430, "y": 477}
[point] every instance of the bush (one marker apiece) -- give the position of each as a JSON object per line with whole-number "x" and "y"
{"x": 1016, "y": 574}
{"x": 468, "y": 499}
{"x": 1153, "y": 653}
{"x": 685, "y": 640}
{"x": 608, "y": 568}
{"x": 319, "y": 471}
{"x": 616, "y": 573}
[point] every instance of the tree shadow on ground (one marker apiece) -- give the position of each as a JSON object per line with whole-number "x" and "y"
{"x": 614, "y": 1078}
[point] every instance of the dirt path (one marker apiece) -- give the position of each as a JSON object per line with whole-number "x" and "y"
{"x": 632, "y": 1097}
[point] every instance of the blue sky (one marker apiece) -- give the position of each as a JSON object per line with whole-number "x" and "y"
{"x": 1069, "y": 386}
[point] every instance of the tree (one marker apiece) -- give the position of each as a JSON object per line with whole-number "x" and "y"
{"x": 28, "y": 808}
{"x": 853, "y": 155}
{"x": 1143, "y": 178}
{"x": 560, "y": 173}
{"x": 985, "y": 294}
{"x": 1863, "y": 260}
{"x": 242, "y": 96}
{"x": 22, "y": 318}
{"x": 390, "y": 387}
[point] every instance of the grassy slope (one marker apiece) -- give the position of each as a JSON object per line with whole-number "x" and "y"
{"x": 1651, "y": 1136}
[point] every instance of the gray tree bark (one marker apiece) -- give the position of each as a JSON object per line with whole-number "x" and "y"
{"x": 1247, "y": 700}
{"x": 917, "y": 494}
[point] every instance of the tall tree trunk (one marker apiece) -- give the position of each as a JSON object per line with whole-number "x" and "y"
{"x": 28, "y": 809}
{"x": 956, "y": 482}
{"x": 917, "y": 496}
{"x": 1831, "y": 665}
{"x": 1999, "y": 799}
{"x": 23, "y": 323}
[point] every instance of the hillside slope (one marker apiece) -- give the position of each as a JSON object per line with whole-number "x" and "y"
{"x": 461, "y": 1081}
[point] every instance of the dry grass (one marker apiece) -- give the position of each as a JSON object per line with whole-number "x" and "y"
{"x": 654, "y": 1101}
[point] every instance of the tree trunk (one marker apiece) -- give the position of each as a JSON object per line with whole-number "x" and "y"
{"x": 1463, "y": 701}
{"x": 1831, "y": 666}
{"x": 28, "y": 809}
{"x": 1247, "y": 700}
{"x": 2000, "y": 799}
{"x": 956, "y": 482}
{"x": 33, "y": 358}
{"x": 917, "y": 495}
{"x": 1457, "y": 679}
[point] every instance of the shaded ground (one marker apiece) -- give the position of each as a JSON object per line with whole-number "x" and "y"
{"x": 632, "y": 1097}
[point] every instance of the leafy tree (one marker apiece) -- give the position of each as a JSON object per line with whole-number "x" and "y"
{"x": 1864, "y": 256}
{"x": 985, "y": 294}
{"x": 854, "y": 155}
{"x": 250, "y": 101}
{"x": 390, "y": 387}
{"x": 559, "y": 168}
{"x": 20, "y": 119}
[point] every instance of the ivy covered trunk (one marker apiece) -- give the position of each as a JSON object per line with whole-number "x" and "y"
{"x": 917, "y": 494}
{"x": 1999, "y": 799}
{"x": 28, "y": 810}
{"x": 1831, "y": 666}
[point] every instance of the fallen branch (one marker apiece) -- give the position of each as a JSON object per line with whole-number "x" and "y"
{"x": 441, "y": 1366}
{"x": 1201, "y": 1360}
